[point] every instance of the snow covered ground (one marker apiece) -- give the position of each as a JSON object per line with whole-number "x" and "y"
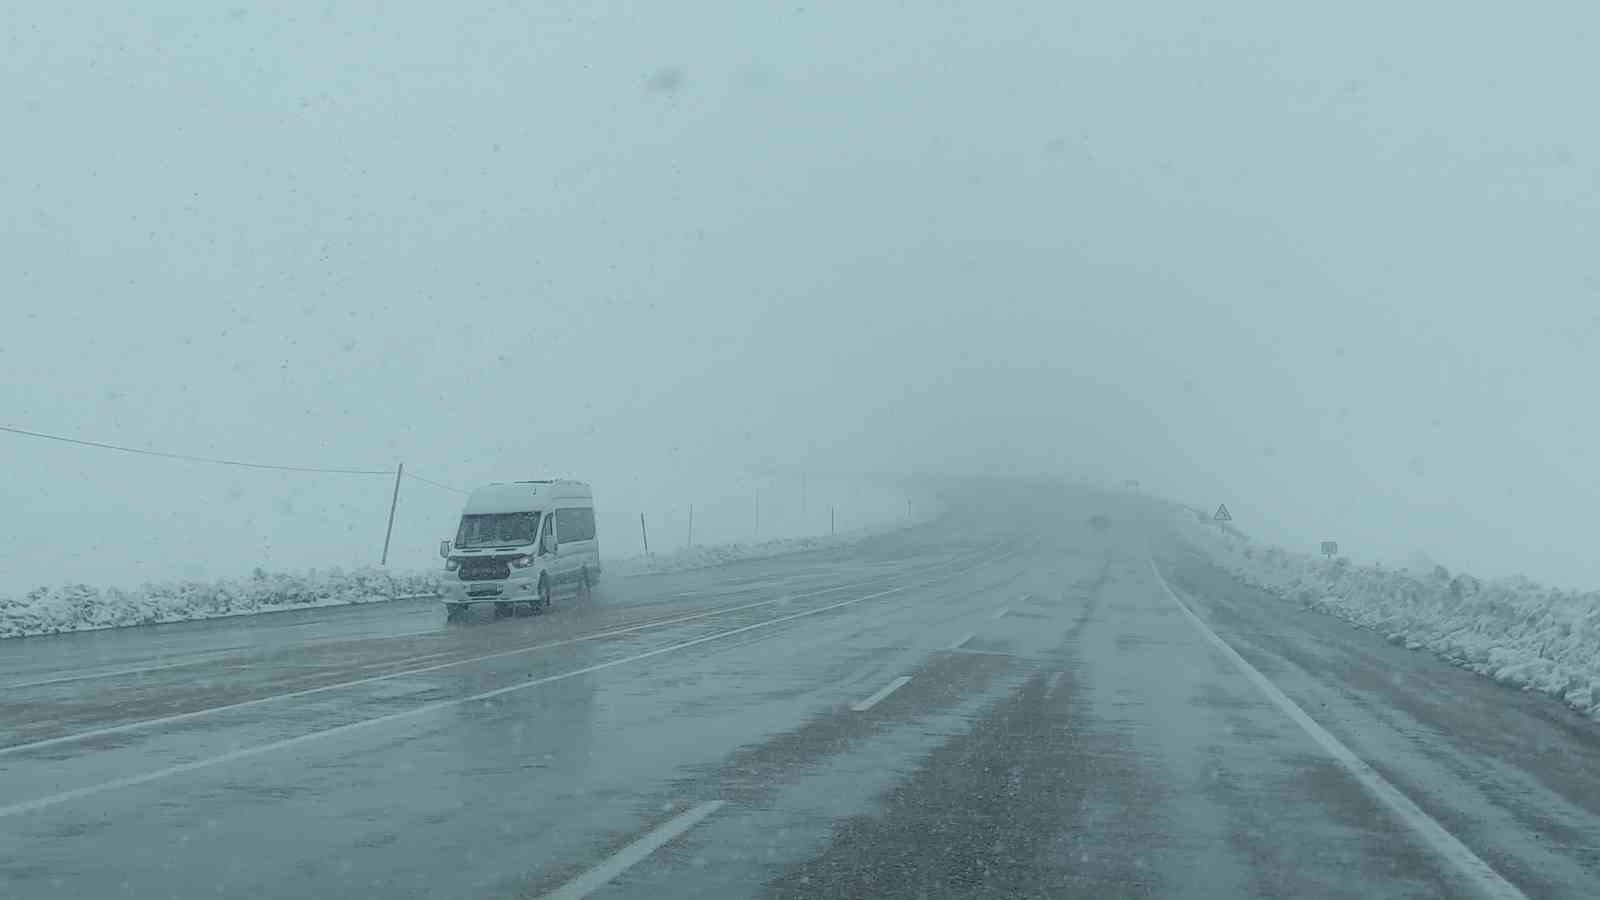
{"x": 81, "y": 607}
{"x": 1512, "y": 630}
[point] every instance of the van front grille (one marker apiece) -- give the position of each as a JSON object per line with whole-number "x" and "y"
{"x": 485, "y": 569}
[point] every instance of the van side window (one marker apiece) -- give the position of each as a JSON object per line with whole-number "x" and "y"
{"x": 549, "y": 528}
{"x": 575, "y": 524}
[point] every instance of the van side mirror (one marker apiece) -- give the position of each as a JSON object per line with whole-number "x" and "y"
{"x": 444, "y": 549}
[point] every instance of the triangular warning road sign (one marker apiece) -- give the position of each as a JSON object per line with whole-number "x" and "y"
{"x": 1222, "y": 514}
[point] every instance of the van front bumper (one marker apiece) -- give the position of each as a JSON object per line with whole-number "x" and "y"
{"x": 465, "y": 593}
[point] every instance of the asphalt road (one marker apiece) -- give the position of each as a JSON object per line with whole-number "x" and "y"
{"x": 1004, "y": 703}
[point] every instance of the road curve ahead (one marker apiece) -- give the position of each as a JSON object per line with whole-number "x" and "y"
{"x": 1009, "y": 702}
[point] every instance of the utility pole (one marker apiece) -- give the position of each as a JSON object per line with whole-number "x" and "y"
{"x": 691, "y": 525}
{"x": 394, "y": 501}
{"x": 644, "y": 534}
{"x": 830, "y": 520}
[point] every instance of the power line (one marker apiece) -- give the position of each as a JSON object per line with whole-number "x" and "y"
{"x": 435, "y": 483}
{"x": 202, "y": 459}
{"x": 223, "y": 462}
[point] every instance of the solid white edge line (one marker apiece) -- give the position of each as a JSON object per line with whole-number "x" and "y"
{"x": 208, "y": 656}
{"x": 633, "y": 854}
{"x": 257, "y": 750}
{"x": 248, "y": 752}
{"x": 273, "y": 698}
{"x": 89, "y": 676}
{"x": 532, "y": 648}
{"x": 1447, "y": 846}
{"x": 958, "y": 642}
{"x": 885, "y": 691}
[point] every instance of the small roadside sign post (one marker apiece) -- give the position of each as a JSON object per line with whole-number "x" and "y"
{"x": 1222, "y": 514}
{"x": 1330, "y": 549}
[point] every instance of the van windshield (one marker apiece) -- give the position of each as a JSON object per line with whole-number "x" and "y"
{"x": 497, "y": 529}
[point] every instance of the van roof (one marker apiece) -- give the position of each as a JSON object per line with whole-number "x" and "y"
{"x": 520, "y": 496}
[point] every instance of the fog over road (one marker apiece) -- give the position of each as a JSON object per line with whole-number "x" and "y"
{"x": 1002, "y": 702}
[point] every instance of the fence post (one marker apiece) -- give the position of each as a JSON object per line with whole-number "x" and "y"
{"x": 393, "y": 502}
{"x": 645, "y": 534}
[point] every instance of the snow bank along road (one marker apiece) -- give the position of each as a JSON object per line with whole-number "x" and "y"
{"x": 1004, "y": 703}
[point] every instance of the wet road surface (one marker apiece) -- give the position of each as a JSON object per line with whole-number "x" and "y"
{"x": 1005, "y": 703}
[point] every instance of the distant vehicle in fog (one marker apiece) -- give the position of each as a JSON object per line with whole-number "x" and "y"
{"x": 1100, "y": 522}
{"x": 518, "y": 544}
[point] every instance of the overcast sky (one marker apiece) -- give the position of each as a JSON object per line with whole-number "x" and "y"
{"x": 1336, "y": 266}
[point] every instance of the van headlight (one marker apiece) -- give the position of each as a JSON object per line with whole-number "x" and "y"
{"x": 450, "y": 565}
{"x": 521, "y": 562}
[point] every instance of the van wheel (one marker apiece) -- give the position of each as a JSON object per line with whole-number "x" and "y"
{"x": 585, "y": 586}
{"x": 504, "y": 610}
{"x": 455, "y": 612}
{"x": 544, "y": 594}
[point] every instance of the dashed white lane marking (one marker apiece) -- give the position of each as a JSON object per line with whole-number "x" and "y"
{"x": 1055, "y": 682}
{"x": 1484, "y": 878}
{"x": 958, "y": 642}
{"x": 633, "y": 854}
{"x": 425, "y": 709}
{"x": 878, "y": 697}
{"x": 1001, "y": 612}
